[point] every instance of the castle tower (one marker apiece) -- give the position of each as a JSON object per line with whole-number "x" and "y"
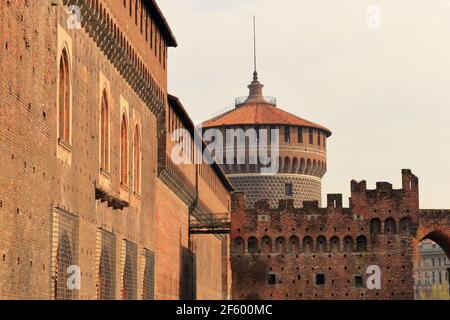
{"x": 302, "y": 153}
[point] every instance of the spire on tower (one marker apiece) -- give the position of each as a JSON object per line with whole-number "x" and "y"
{"x": 255, "y": 94}
{"x": 255, "y": 73}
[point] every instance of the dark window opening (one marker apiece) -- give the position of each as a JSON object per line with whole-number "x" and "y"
{"x": 361, "y": 244}
{"x": 252, "y": 245}
{"x": 311, "y": 136}
{"x": 288, "y": 190}
{"x": 287, "y": 134}
{"x": 136, "y": 13}
{"x": 149, "y": 276}
{"x": 272, "y": 279}
{"x": 320, "y": 279}
{"x": 300, "y": 135}
{"x": 358, "y": 281}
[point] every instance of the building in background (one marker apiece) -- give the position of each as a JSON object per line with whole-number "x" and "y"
{"x": 86, "y": 185}
{"x": 302, "y": 157}
{"x": 431, "y": 269}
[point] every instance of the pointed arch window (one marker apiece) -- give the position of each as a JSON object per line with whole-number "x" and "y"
{"x": 64, "y": 98}
{"x": 104, "y": 132}
{"x": 137, "y": 160}
{"x": 64, "y": 259}
{"x": 124, "y": 151}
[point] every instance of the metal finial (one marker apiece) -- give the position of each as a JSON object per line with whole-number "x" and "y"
{"x": 255, "y": 73}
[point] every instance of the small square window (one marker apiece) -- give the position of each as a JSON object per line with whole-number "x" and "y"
{"x": 288, "y": 189}
{"x": 358, "y": 281}
{"x": 320, "y": 279}
{"x": 272, "y": 279}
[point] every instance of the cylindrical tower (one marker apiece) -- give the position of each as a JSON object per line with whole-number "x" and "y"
{"x": 302, "y": 153}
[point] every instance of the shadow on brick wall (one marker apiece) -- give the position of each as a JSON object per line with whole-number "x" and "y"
{"x": 187, "y": 275}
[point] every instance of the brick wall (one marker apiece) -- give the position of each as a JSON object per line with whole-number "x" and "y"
{"x": 42, "y": 180}
{"x": 172, "y": 229}
{"x": 208, "y": 263}
{"x": 292, "y": 246}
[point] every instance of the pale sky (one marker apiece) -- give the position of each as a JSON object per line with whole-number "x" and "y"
{"x": 384, "y": 93}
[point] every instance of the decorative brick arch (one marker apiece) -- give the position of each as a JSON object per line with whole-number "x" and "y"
{"x": 433, "y": 225}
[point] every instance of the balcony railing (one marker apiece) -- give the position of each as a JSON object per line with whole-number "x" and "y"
{"x": 210, "y": 224}
{"x": 240, "y": 101}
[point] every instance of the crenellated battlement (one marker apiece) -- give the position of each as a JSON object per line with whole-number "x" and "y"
{"x": 383, "y": 210}
{"x": 363, "y": 201}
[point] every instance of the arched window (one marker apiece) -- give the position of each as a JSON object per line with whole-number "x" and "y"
{"x": 307, "y": 246}
{"x": 308, "y": 167}
{"x": 104, "y": 132}
{"x": 390, "y": 226}
{"x": 334, "y": 244}
{"x": 294, "y": 244}
{"x": 287, "y": 164}
{"x": 64, "y": 98}
{"x": 302, "y": 166}
{"x": 321, "y": 244}
{"x": 238, "y": 246}
{"x": 361, "y": 244}
{"x": 280, "y": 164}
{"x": 64, "y": 259}
{"x": 280, "y": 245}
{"x": 405, "y": 225}
{"x": 252, "y": 244}
{"x": 348, "y": 244}
{"x": 129, "y": 279}
{"x": 148, "y": 292}
{"x": 266, "y": 245}
{"x": 295, "y": 165}
{"x": 106, "y": 286}
{"x": 137, "y": 160}
{"x": 375, "y": 226}
{"x": 124, "y": 152}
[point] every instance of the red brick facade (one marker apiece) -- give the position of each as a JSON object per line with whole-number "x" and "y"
{"x": 81, "y": 188}
{"x": 324, "y": 253}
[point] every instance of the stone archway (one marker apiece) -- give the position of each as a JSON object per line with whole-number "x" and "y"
{"x": 432, "y": 225}
{"x": 442, "y": 240}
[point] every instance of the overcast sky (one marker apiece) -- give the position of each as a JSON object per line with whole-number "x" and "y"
{"x": 385, "y": 93}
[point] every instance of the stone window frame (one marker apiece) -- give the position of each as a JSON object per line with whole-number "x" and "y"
{"x": 105, "y": 91}
{"x": 137, "y": 158}
{"x": 64, "y": 145}
{"x": 124, "y": 113}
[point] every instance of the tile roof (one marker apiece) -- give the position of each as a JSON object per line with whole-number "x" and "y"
{"x": 260, "y": 114}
